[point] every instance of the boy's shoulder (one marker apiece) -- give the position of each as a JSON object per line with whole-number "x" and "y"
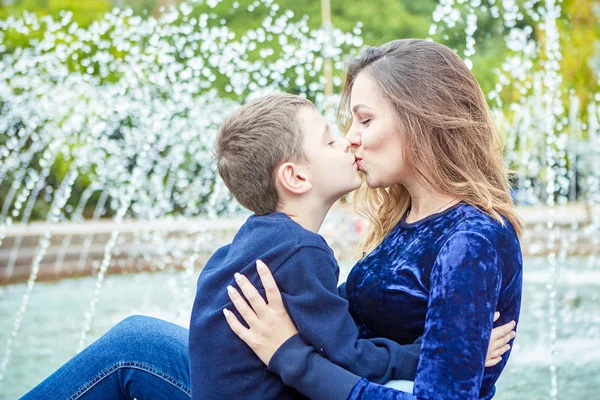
{"x": 273, "y": 238}
{"x": 282, "y": 230}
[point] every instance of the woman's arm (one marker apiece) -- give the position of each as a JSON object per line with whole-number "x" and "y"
{"x": 308, "y": 283}
{"x": 271, "y": 331}
{"x": 465, "y": 286}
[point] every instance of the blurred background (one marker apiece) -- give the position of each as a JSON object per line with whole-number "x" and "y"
{"x": 110, "y": 201}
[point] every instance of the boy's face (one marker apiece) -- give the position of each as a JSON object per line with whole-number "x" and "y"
{"x": 331, "y": 166}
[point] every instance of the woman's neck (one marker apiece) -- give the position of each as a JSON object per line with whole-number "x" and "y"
{"x": 425, "y": 202}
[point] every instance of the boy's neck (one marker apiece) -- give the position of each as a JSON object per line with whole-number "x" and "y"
{"x": 309, "y": 216}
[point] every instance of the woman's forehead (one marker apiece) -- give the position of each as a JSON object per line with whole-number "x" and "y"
{"x": 364, "y": 94}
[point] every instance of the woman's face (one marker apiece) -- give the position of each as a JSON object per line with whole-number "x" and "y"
{"x": 375, "y": 136}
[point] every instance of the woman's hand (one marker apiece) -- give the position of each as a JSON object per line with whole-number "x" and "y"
{"x": 499, "y": 341}
{"x": 270, "y": 324}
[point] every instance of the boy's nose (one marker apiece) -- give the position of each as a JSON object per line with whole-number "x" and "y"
{"x": 345, "y": 144}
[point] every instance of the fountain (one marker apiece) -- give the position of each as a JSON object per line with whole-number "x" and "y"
{"x": 129, "y": 105}
{"x": 124, "y": 112}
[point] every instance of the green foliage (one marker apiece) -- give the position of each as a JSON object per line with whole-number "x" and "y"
{"x": 85, "y": 12}
{"x": 580, "y": 44}
{"x": 382, "y": 21}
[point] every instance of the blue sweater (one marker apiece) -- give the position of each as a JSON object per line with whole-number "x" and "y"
{"x": 442, "y": 277}
{"x": 224, "y": 367}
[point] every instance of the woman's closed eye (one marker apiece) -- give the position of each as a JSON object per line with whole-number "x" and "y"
{"x": 366, "y": 121}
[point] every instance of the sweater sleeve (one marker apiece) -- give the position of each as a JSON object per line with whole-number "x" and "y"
{"x": 332, "y": 381}
{"x": 342, "y": 291}
{"x": 308, "y": 284}
{"x": 465, "y": 286}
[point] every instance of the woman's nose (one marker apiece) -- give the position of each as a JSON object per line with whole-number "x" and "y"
{"x": 353, "y": 137}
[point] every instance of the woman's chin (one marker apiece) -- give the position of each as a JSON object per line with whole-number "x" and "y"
{"x": 372, "y": 183}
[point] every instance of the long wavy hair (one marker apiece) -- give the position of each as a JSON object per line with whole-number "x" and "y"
{"x": 450, "y": 138}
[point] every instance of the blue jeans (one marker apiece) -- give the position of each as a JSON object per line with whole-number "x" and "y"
{"x": 140, "y": 357}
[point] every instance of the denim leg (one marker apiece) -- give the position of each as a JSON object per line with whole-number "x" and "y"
{"x": 140, "y": 357}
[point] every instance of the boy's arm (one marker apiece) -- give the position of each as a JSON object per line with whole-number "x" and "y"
{"x": 320, "y": 379}
{"x": 308, "y": 284}
{"x": 342, "y": 291}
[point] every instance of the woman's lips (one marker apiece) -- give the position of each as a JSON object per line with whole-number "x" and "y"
{"x": 357, "y": 161}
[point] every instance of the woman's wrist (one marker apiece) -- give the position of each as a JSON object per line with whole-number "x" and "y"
{"x": 285, "y": 354}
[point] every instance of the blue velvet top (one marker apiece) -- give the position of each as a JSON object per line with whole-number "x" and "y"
{"x": 441, "y": 277}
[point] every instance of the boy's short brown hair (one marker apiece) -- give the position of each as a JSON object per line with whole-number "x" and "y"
{"x": 253, "y": 142}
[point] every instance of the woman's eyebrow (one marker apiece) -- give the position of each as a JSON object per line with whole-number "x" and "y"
{"x": 359, "y": 106}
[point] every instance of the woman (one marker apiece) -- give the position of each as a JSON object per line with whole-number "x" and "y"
{"x": 442, "y": 248}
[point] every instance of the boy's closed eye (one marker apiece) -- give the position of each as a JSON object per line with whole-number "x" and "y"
{"x": 333, "y": 138}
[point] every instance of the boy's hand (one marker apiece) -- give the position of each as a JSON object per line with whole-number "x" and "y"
{"x": 269, "y": 323}
{"x": 499, "y": 341}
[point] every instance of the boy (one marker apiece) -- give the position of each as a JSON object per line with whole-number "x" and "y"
{"x": 279, "y": 159}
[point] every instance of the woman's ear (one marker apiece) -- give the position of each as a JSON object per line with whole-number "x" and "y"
{"x": 292, "y": 178}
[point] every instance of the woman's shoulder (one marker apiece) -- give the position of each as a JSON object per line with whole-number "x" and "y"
{"x": 476, "y": 221}
{"x": 475, "y": 231}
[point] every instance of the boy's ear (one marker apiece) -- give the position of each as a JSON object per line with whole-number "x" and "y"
{"x": 293, "y": 178}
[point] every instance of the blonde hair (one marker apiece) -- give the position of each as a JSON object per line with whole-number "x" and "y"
{"x": 450, "y": 138}
{"x": 255, "y": 140}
